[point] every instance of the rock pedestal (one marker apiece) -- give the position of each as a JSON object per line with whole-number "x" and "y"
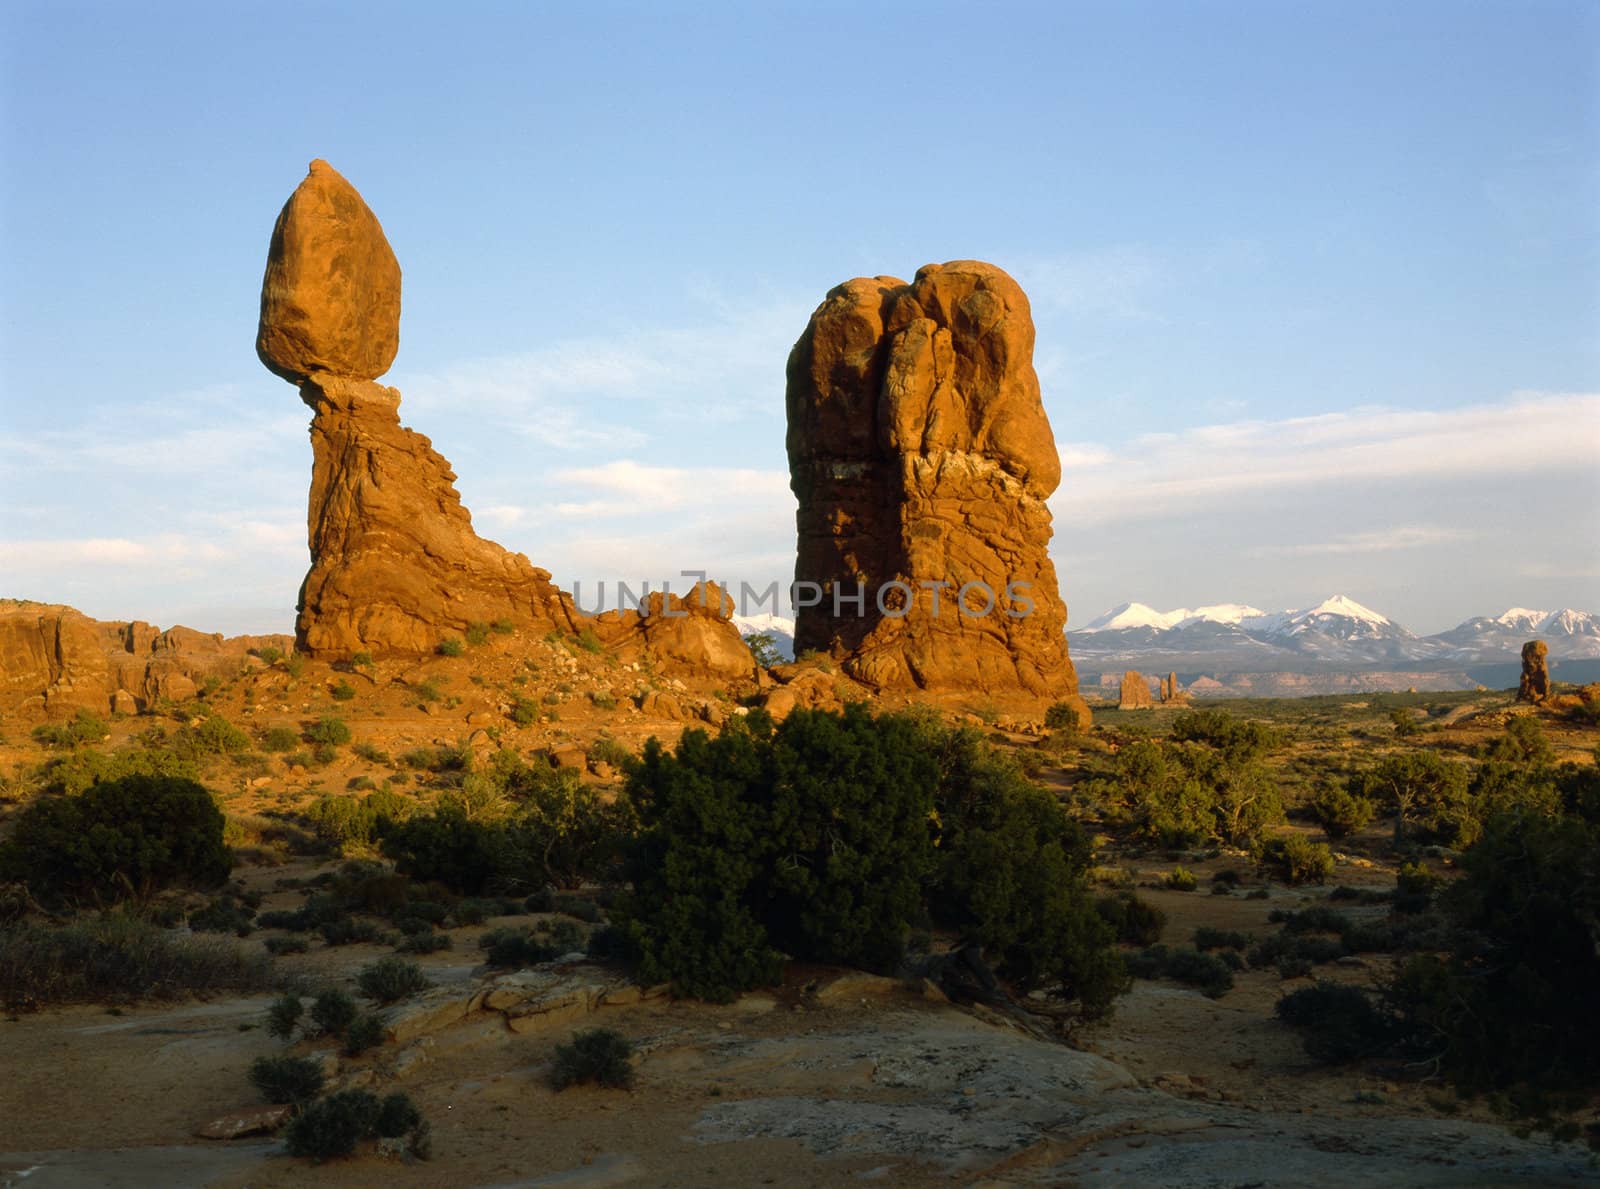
{"x": 1535, "y": 684}
{"x": 922, "y": 459}
{"x": 395, "y": 563}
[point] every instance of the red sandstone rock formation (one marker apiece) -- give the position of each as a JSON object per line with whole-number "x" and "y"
{"x": 1135, "y": 693}
{"x": 54, "y": 659}
{"x": 920, "y": 454}
{"x": 1535, "y": 684}
{"x": 395, "y": 563}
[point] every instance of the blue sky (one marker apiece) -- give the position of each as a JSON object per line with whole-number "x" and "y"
{"x": 1317, "y": 285}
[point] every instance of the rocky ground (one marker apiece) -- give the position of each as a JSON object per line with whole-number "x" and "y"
{"x": 831, "y": 1078}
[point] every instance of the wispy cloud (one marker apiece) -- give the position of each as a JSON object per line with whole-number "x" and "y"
{"x": 1165, "y": 474}
{"x": 724, "y": 364}
{"x": 1119, "y": 282}
{"x": 1384, "y": 540}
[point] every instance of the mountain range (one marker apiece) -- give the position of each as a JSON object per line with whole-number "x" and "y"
{"x": 1336, "y": 645}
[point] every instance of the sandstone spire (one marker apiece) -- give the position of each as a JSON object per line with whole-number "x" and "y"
{"x": 1535, "y": 684}
{"x": 395, "y": 563}
{"x": 921, "y": 455}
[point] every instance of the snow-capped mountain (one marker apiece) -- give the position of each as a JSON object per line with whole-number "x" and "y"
{"x": 1338, "y": 633}
{"x": 1569, "y": 633}
{"x": 777, "y": 626}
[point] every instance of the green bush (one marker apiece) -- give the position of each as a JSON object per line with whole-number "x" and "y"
{"x": 283, "y": 1015}
{"x": 477, "y": 634}
{"x": 357, "y": 821}
{"x": 763, "y": 647}
{"x": 117, "y": 958}
{"x": 1134, "y": 921}
{"x": 397, "y": 1115}
{"x": 588, "y": 641}
{"x": 292, "y": 1080}
{"x": 334, "y": 1126}
{"x": 1210, "y": 973}
{"x": 333, "y": 1011}
{"x": 425, "y": 941}
{"x": 1338, "y": 1023}
{"x": 1295, "y": 859}
{"x": 84, "y": 727}
{"x": 1180, "y": 879}
{"x": 213, "y": 735}
{"x": 1207, "y": 938}
{"x": 223, "y": 915}
{"x": 391, "y": 979}
{"x": 825, "y": 838}
{"x": 122, "y": 838}
{"x": 451, "y": 647}
{"x": 1523, "y": 743}
{"x": 1339, "y": 812}
{"x": 328, "y": 730}
{"x": 278, "y": 946}
{"x": 279, "y": 739}
{"x": 365, "y": 1032}
{"x": 342, "y": 691}
{"x": 361, "y": 660}
{"x": 1062, "y": 716}
{"x": 600, "y": 1055}
{"x": 1427, "y": 795}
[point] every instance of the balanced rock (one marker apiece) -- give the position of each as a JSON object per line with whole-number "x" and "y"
{"x": 330, "y": 300}
{"x": 1135, "y": 693}
{"x": 395, "y": 564}
{"x": 1535, "y": 683}
{"x": 922, "y": 458}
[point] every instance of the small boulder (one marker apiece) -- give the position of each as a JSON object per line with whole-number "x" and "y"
{"x": 255, "y": 1120}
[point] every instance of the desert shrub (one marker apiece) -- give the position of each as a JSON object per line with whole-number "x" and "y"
{"x": 269, "y": 655}
{"x": 1504, "y": 786}
{"x": 812, "y": 837}
{"x": 562, "y": 831}
{"x": 279, "y": 739}
{"x": 1207, "y": 938}
{"x": 117, "y": 958}
{"x": 329, "y": 730}
{"x": 450, "y": 646}
{"x": 1511, "y": 1002}
{"x": 1180, "y": 879}
{"x": 1338, "y": 1023}
{"x": 425, "y": 941}
{"x": 356, "y": 821}
{"x": 1209, "y": 786}
{"x": 1011, "y": 875}
{"x": 283, "y": 1015}
{"x": 1295, "y": 859}
{"x": 817, "y": 838}
{"x": 391, "y": 979}
{"x": 342, "y": 691}
{"x": 397, "y": 1114}
{"x": 1134, "y": 921}
{"x": 128, "y": 837}
{"x": 1227, "y": 876}
{"x": 588, "y": 641}
{"x": 84, "y": 727}
{"x": 443, "y": 847}
{"x": 361, "y": 660}
{"x": 1319, "y": 918}
{"x": 293, "y": 1080}
{"x": 1405, "y": 723}
{"x": 1211, "y": 974}
{"x": 1524, "y": 743}
{"x": 599, "y": 1055}
{"x": 607, "y": 750}
{"x": 294, "y": 664}
{"x": 223, "y": 915}
{"x": 602, "y": 699}
{"x": 346, "y": 930}
{"x": 523, "y": 712}
{"x": 366, "y": 1031}
{"x": 763, "y": 647}
{"x": 213, "y": 735}
{"x": 477, "y": 633}
{"x": 1062, "y": 716}
{"x": 1339, "y": 812}
{"x": 514, "y": 947}
{"x": 1309, "y": 949}
{"x": 333, "y": 1126}
{"x": 333, "y": 1011}
{"x": 1427, "y": 795}
{"x": 278, "y": 946}
{"x": 1415, "y": 887}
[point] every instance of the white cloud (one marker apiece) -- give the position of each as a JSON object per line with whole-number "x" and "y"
{"x": 1159, "y": 475}
{"x": 1384, "y": 540}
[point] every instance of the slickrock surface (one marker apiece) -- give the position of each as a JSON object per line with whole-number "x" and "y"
{"x": 1135, "y": 692}
{"x": 920, "y": 453}
{"x": 395, "y": 564}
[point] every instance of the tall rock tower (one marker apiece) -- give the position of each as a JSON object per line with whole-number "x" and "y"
{"x": 921, "y": 456}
